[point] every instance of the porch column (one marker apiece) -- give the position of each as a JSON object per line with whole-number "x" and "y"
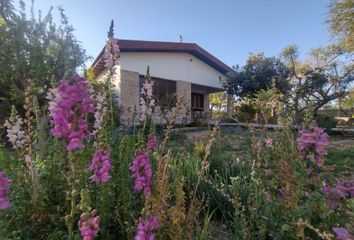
{"x": 184, "y": 91}
{"x": 206, "y": 102}
{"x": 129, "y": 96}
{"x": 230, "y": 104}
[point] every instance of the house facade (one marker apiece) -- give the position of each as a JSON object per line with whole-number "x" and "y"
{"x": 178, "y": 70}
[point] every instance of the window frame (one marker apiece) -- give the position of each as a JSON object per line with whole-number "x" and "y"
{"x": 197, "y": 101}
{"x": 169, "y": 88}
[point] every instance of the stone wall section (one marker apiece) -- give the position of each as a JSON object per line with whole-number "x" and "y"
{"x": 184, "y": 91}
{"x": 129, "y": 96}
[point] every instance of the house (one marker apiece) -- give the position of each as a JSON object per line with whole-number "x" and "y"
{"x": 180, "y": 69}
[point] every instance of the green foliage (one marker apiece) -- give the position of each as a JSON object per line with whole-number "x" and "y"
{"x": 342, "y": 161}
{"x": 269, "y": 104}
{"x": 246, "y": 110}
{"x": 235, "y": 179}
{"x": 341, "y": 21}
{"x": 260, "y": 72}
{"x": 34, "y": 49}
{"x": 326, "y": 122}
{"x": 324, "y": 77}
{"x": 347, "y": 103}
{"x": 218, "y": 101}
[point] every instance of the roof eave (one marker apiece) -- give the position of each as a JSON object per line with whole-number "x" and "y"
{"x": 152, "y": 46}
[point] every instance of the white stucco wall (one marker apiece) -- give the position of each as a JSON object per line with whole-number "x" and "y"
{"x": 173, "y": 66}
{"x": 116, "y": 81}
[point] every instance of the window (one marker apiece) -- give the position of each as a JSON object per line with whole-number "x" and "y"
{"x": 197, "y": 101}
{"x": 163, "y": 90}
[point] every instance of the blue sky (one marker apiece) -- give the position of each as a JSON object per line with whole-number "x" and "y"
{"x": 229, "y": 29}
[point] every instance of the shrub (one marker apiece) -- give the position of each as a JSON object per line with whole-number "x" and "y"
{"x": 326, "y": 122}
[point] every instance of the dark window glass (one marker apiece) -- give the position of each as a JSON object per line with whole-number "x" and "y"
{"x": 164, "y": 91}
{"x": 197, "y": 101}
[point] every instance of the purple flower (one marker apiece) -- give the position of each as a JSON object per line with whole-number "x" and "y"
{"x": 336, "y": 195}
{"x": 100, "y": 165}
{"x": 142, "y": 173}
{"x": 69, "y": 112}
{"x": 152, "y": 144}
{"x": 326, "y": 190}
{"x": 145, "y": 228}
{"x": 344, "y": 188}
{"x": 4, "y": 190}
{"x": 342, "y": 234}
{"x": 313, "y": 141}
{"x": 89, "y": 227}
{"x": 306, "y": 139}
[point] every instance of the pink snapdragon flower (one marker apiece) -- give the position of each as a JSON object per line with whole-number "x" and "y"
{"x": 53, "y": 97}
{"x": 89, "y": 227}
{"x": 145, "y": 229}
{"x": 142, "y": 173}
{"x": 100, "y": 112}
{"x": 101, "y": 165}
{"x": 343, "y": 189}
{"x": 4, "y": 190}
{"x": 147, "y": 102}
{"x": 15, "y": 133}
{"x": 111, "y": 54}
{"x": 313, "y": 142}
{"x": 69, "y": 113}
{"x": 342, "y": 234}
{"x": 152, "y": 144}
{"x": 269, "y": 143}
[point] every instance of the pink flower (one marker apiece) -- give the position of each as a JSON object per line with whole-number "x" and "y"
{"x": 142, "y": 173}
{"x": 319, "y": 161}
{"x": 147, "y": 102}
{"x": 111, "y": 54}
{"x": 268, "y": 142}
{"x": 152, "y": 144}
{"x": 100, "y": 112}
{"x": 100, "y": 165}
{"x": 15, "y": 132}
{"x": 342, "y": 190}
{"x": 313, "y": 141}
{"x": 267, "y": 171}
{"x": 69, "y": 113}
{"x": 53, "y": 97}
{"x": 145, "y": 228}
{"x": 4, "y": 190}
{"x": 89, "y": 227}
{"x": 342, "y": 234}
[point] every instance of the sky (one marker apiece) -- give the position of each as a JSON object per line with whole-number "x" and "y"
{"x": 228, "y": 29}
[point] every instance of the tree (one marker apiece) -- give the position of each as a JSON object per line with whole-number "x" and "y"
{"x": 322, "y": 78}
{"x": 218, "y": 101}
{"x": 347, "y": 103}
{"x": 341, "y": 22}
{"x": 258, "y": 73}
{"x": 34, "y": 50}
